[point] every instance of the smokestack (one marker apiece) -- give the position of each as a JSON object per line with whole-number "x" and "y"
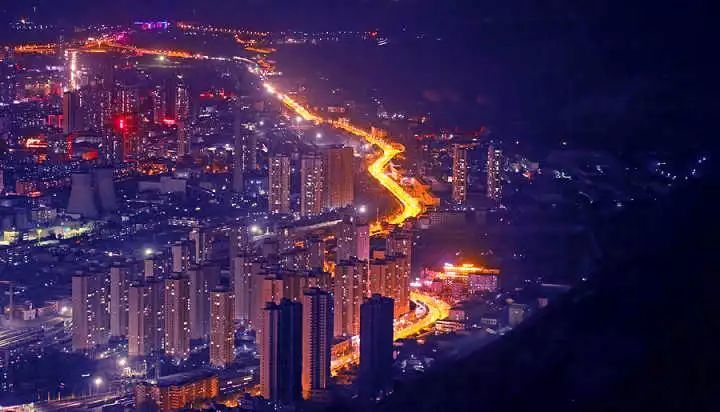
{"x": 82, "y": 201}
{"x": 105, "y": 189}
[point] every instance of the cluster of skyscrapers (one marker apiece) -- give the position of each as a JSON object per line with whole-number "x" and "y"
{"x": 111, "y": 109}
{"x": 300, "y": 292}
{"x": 326, "y": 181}
{"x": 157, "y": 305}
{"x": 461, "y": 170}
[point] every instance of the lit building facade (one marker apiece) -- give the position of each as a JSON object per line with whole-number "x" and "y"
{"x": 460, "y": 173}
{"x": 146, "y": 318}
{"x": 90, "y": 312}
{"x": 348, "y": 293}
{"x": 279, "y": 184}
{"x": 339, "y": 179}
{"x": 119, "y": 309}
{"x": 203, "y": 281}
{"x": 72, "y": 116}
{"x": 312, "y": 181}
{"x": 494, "y": 173}
{"x": 177, "y": 317}
{"x": 222, "y": 330}
{"x": 317, "y": 336}
{"x": 174, "y": 392}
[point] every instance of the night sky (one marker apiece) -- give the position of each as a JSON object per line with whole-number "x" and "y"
{"x": 618, "y": 75}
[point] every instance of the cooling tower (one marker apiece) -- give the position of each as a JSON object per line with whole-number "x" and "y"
{"x": 82, "y": 201}
{"x": 105, "y": 189}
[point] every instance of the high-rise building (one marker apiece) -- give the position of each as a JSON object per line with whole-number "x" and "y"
{"x": 380, "y": 277}
{"x": 241, "y": 149}
{"x": 240, "y": 241}
{"x": 150, "y": 266}
{"x": 399, "y": 248}
{"x": 72, "y": 115}
{"x": 241, "y": 271}
{"x": 182, "y": 101}
{"x": 348, "y": 288}
{"x": 119, "y": 309}
{"x": 177, "y": 316}
{"x": 353, "y": 240}
{"x": 266, "y": 288}
{"x": 245, "y": 151}
{"x": 399, "y": 243}
{"x": 317, "y": 333}
{"x": 460, "y": 173}
{"x": 8, "y": 81}
{"x": 251, "y": 151}
{"x": 127, "y": 98}
{"x": 182, "y": 252}
{"x": 312, "y": 184}
{"x": 316, "y": 252}
{"x": 90, "y": 312}
{"x": 159, "y": 101}
{"x": 202, "y": 282}
{"x": 362, "y": 240}
{"x": 183, "y": 140}
{"x": 494, "y": 173}
{"x": 126, "y": 126}
{"x": 280, "y": 346}
{"x": 376, "y": 347}
{"x": 279, "y": 184}
{"x": 285, "y": 240}
{"x": 390, "y": 277}
{"x": 222, "y": 331}
{"x": 146, "y": 318}
{"x": 202, "y": 237}
{"x": 401, "y": 285}
{"x": 339, "y": 182}
{"x": 94, "y": 99}
{"x": 296, "y": 282}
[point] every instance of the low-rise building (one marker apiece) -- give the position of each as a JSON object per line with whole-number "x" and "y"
{"x": 173, "y": 392}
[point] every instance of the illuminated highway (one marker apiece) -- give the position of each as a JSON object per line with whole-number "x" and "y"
{"x": 411, "y": 206}
{"x": 434, "y": 309}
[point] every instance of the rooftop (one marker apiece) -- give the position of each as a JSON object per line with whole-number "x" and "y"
{"x": 182, "y": 378}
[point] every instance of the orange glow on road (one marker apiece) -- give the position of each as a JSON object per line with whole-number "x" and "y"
{"x": 411, "y": 206}
{"x": 36, "y": 48}
{"x": 98, "y": 45}
{"x": 436, "y": 310}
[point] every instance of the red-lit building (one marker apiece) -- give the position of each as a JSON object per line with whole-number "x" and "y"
{"x": 126, "y": 125}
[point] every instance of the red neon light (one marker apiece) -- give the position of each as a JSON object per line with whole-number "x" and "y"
{"x": 169, "y": 122}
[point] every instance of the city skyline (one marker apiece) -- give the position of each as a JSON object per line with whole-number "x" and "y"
{"x": 377, "y": 206}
